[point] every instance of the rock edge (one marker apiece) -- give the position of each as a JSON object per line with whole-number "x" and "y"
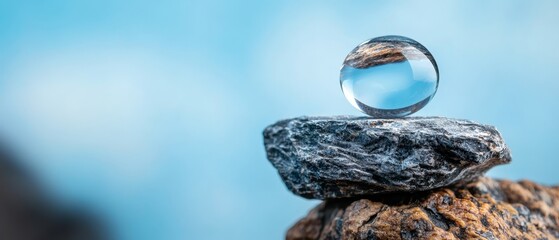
{"x": 486, "y": 209}
{"x": 345, "y": 157}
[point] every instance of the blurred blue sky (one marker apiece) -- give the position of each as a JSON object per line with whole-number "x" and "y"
{"x": 151, "y": 112}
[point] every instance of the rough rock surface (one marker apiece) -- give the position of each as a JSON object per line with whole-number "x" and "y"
{"x": 340, "y": 157}
{"x": 487, "y": 209}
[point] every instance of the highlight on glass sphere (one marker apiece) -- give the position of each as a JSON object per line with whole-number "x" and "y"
{"x": 389, "y": 77}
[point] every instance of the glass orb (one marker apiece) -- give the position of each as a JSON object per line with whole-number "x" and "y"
{"x": 389, "y": 76}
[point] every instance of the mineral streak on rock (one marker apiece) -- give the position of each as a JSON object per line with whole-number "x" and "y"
{"x": 341, "y": 157}
{"x": 487, "y": 209}
{"x": 387, "y": 49}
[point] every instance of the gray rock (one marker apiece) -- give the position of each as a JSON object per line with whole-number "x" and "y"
{"x": 343, "y": 156}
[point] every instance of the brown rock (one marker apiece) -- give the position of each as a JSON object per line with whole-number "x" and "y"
{"x": 486, "y": 209}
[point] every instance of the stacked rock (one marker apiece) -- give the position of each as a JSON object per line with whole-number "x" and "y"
{"x": 407, "y": 178}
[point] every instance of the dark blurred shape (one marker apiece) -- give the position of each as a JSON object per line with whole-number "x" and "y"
{"x": 27, "y": 213}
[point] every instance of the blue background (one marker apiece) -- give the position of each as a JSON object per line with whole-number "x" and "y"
{"x": 151, "y": 112}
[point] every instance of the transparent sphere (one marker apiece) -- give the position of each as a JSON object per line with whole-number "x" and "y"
{"x": 389, "y": 76}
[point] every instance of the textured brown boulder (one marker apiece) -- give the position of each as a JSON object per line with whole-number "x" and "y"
{"x": 486, "y": 209}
